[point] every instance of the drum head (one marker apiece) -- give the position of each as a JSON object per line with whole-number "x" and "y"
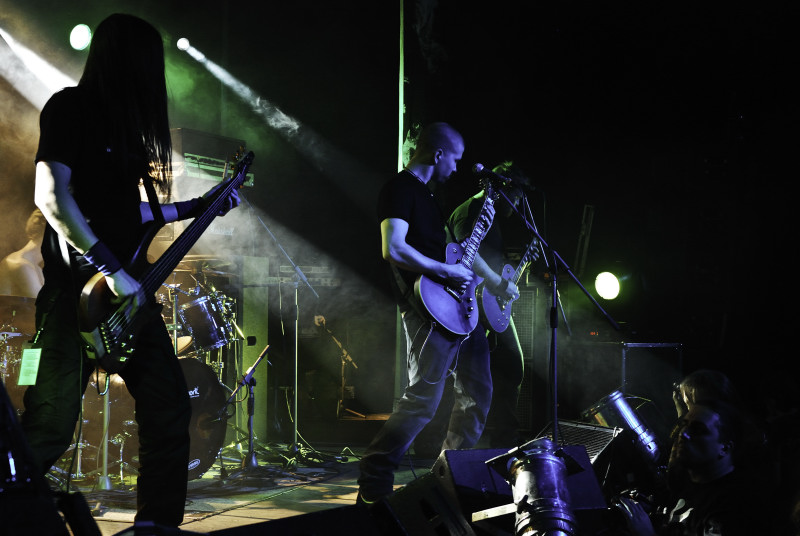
{"x": 204, "y": 318}
{"x": 207, "y": 397}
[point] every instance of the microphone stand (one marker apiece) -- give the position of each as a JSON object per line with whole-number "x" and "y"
{"x": 557, "y": 261}
{"x": 294, "y": 449}
{"x": 346, "y": 358}
{"x": 250, "y": 461}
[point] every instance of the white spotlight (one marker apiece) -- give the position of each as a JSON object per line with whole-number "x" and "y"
{"x": 80, "y": 37}
{"x": 182, "y": 43}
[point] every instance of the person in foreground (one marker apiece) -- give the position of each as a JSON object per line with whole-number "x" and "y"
{"x": 413, "y": 241}
{"x": 714, "y": 495}
{"x": 100, "y": 142}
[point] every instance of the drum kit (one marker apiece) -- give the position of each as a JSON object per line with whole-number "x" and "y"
{"x": 201, "y": 322}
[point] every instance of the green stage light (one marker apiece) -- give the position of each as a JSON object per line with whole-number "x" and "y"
{"x": 607, "y": 285}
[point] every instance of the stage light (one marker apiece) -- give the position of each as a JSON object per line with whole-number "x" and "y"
{"x": 80, "y": 37}
{"x": 182, "y": 43}
{"x": 31, "y": 75}
{"x": 607, "y": 285}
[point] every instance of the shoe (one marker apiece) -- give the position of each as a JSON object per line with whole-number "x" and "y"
{"x": 368, "y": 501}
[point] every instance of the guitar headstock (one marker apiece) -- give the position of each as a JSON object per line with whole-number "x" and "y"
{"x": 240, "y": 161}
{"x": 490, "y": 188}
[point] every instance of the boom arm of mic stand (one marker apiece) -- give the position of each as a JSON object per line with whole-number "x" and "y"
{"x": 246, "y": 380}
{"x": 544, "y": 246}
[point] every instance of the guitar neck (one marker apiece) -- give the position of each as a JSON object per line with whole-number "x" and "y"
{"x": 158, "y": 272}
{"x": 482, "y": 224}
{"x": 523, "y": 264}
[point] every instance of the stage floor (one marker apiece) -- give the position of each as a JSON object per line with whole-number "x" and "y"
{"x": 258, "y": 495}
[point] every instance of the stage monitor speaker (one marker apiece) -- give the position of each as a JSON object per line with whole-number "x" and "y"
{"x": 596, "y": 439}
{"x": 423, "y": 507}
{"x": 613, "y": 453}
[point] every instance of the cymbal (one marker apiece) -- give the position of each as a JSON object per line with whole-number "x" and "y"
{"x": 9, "y": 334}
{"x": 203, "y": 263}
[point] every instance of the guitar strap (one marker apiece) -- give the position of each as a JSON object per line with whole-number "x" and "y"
{"x": 152, "y": 199}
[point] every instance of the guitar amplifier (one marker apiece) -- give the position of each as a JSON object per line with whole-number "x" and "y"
{"x": 200, "y": 155}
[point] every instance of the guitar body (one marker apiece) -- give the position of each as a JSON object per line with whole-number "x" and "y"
{"x": 455, "y": 309}
{"x": 496, "y": 311}
{"x": 108, "y": 341}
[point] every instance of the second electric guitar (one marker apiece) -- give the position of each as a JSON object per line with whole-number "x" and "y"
{"x": 496, "y": 311}
{"x": 455, "y": 308}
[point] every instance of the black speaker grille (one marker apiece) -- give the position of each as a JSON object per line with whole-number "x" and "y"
{"x": 594, "y": 438}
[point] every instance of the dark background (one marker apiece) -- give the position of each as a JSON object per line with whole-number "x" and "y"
{"x": 676, "y": 122}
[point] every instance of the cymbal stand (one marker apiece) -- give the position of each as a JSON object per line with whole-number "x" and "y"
{"x": 103, "y": 481}
{"x": 175, "y": 327}
{"x": 346, "y": 358}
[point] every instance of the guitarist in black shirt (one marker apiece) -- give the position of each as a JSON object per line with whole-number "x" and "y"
{"x": 413, "y": 242}
{"x": 100, "y": 142}
{"x": 506, "y": 357}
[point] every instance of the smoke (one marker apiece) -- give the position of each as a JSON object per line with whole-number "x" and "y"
{"x": 18, "y": 138}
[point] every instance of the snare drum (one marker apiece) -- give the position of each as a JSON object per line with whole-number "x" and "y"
{"x": 205, "y": 320}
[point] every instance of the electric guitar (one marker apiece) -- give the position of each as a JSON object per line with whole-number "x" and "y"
{"x": 455, "y": 309}
{"x": 110, "y": 330}
{"x": 496, "y": 311}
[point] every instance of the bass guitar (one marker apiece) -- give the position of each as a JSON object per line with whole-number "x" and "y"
{"x": 110, "y": 330}
{"x": 455, "y": 309}
{"x": 496, "y": 311}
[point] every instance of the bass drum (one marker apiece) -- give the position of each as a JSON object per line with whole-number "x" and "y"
{"x": 206, "y": 434}
{"x": 206, "y": 431}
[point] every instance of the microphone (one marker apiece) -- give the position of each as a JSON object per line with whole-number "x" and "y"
{"x": 481, "y": 170}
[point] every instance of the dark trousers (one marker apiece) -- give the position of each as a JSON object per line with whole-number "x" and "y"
{"x": 433, "y": 354}
{"x": 502, "y": 423}
{"x": 155, "y": 380}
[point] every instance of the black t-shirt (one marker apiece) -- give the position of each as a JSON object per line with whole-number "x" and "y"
{"x": 105, "y": 185}
{"x": 406, "y": 198}
{"x": 730, "y": 506}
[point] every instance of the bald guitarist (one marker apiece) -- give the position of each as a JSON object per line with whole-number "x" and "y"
{"x": 506, "y": 357}
{"x": 414, "y": 242}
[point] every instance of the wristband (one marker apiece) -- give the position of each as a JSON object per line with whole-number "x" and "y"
{"x": 189, "y": 209}
{"x": 102, "y": 258}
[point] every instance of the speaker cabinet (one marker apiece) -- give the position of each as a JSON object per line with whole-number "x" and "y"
{"x": 255, "y": 326}
{"x": 423, "y": 507}
{"x": 613, "y": 453}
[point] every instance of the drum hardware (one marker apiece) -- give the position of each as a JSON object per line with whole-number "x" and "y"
{"x": 180, "y": 344}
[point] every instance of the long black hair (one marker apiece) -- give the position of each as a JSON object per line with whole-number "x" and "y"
{"x": 125, "y": 71}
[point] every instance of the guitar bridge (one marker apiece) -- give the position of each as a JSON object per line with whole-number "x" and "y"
{"x": 456, "y": 296}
